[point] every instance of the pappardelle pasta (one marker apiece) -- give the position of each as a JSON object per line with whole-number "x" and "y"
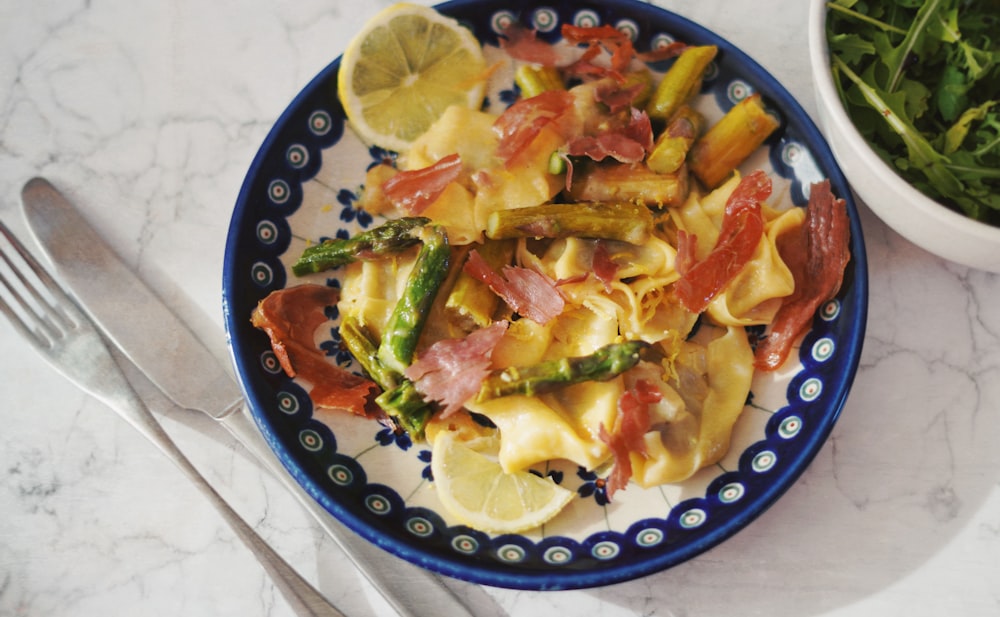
{"x": 573, "y": 276}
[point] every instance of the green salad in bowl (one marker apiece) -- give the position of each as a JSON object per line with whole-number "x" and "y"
{"x": 921, "y": 81}
{"x": 908, "y": 96}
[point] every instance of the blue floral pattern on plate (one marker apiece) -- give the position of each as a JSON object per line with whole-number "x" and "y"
{"x": 302, "y": 187}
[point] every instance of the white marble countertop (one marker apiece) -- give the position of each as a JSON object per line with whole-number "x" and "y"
{"x": 148, "y": 114}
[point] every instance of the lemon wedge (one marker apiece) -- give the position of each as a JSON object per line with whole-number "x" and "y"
{"x": 475, "y": 490}
{"x": 403, "y": 69}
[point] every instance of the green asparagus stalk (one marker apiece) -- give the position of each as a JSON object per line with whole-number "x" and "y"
{"x": 534, "y": 80}
{"x": 671, "y": 147}
{"x": 360, "y": 343}
{"x": 681, "y": 82}
{"x": 399, "y": 340}
{"x": 732, "y": 139}
{"x": 642, "y": 77}
{"x": 604, "y": 364}
{"x": 629, "y": 183}
{"x": 471, "y": 303}
{"x": 622, "y": 221}
{"x": 399, "y": 399}
{"x": 407, "y": 407}
{"x": 390, "y": 237}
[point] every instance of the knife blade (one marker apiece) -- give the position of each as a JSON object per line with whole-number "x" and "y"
{"x": 180, "y": 365}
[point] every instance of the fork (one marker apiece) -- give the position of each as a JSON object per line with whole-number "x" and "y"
{"x": 42, "y": 312}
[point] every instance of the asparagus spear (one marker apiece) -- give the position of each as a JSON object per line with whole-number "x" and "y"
{"x": 644, "y": 78}
{"x": 725, "y": 145}
{"x": 534, "y": 80}
{"x": 471, "y": 303}
{"x": 386, "y": 361}
{"x": 390, "y": 237}
{"x": 399, "y": 340}
{"x": 632, "y": 183}
{"x": 681, "y": 82}
{"x": 362, "y": 346}
{"x": 399, "y": 398}
{"x": 623, "y": 221}
{"x": 671, "y": 147}
{"x": 604, "y": 364}
{"x": 407, "y": 407}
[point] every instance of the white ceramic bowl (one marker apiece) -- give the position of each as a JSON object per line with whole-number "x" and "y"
{"x": 916, "y": 217}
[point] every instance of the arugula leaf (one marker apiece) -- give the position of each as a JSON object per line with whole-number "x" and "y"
{"x": 898, "y": 57}
{"x": 957, "y": 132}
{"x": 851, "y": 47}
{"x": 952, "y": 96}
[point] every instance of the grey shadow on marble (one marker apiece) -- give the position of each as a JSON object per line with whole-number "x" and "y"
{"x": 905, "y": 468}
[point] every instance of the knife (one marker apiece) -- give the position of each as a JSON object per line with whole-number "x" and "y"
{"x": 177, "y": 362}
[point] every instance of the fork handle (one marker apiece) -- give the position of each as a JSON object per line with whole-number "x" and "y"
{"x": 118, "y": 394}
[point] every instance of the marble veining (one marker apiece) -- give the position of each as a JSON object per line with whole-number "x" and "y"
{"x": 148, "y": 116}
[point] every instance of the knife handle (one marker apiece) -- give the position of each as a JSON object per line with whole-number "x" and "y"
{"x": 396, "y": 579}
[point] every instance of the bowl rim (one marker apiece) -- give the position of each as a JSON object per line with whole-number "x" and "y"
{"x": 829, "y": 101}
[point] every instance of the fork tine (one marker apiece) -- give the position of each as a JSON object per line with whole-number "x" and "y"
{"x": 47, "y": 312}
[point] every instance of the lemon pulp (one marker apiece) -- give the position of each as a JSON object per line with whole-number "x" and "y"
{"x": 407, "y": 65}
{"x": 474, "y": 489}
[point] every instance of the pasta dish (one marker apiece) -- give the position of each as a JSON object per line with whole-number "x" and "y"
{"x": 575, "y": 278}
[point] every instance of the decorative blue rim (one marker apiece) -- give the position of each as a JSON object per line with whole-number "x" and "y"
{"x": 260, "y": 233}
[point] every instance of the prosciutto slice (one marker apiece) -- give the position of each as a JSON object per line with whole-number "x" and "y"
{"x": 625, "y": 144}
{"x": 523, "y": 44}
{"x": 591, "y": 35}
{"x": 414, "y": 190}
{"x": 290, "y": 318}
{"x": 451, "y": 371}
{"x": 631, "y": 424}
{"x": 519, "y": 125}
{"x": 530, "y": 293}
{"x": 603, "y": 266}
{"x": 617, "y": 97}
{"x": 665, "y": 52}
{"x": 606, "y": 37}
{"x": 742, "y": 228}
{"x": 817, "y": 258}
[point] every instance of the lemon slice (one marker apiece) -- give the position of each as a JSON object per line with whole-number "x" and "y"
{"x": 475, "y": 490}
{"x": 407, "y": 65}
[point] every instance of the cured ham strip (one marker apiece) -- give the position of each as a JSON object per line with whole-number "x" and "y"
{"x": 817, "y": 258}
{"x": 584, "y": 65}
{"x": 631, "y": 424}
{"x": 665, "y": 52}
{"x": 621, "y": 56}
{"x": 606, "y": 34}
{"x": 687, "y": 255}
{"x": 290, "y": 318}
{"x": 635, "y": 418}
{"x": 523, "y": 44}
{"x": 640, "y": 129}
{"x": 616, "y": 42}
{"x": 602, "y": 265}
{"x": 530, "y": 293}
{"x": 742, "y": 228}
{"x": 414, "y": 190}
{"x": 627, "y": 144}
{"x": 621, "y": 471}
{"x": 521, "y": 123}
{"x": 617, "y": 98}
{"x": 607, "y": 145}
{"x": 451, "y": 371}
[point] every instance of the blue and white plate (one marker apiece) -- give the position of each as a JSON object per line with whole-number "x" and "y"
{"x": 302, "y": 186}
